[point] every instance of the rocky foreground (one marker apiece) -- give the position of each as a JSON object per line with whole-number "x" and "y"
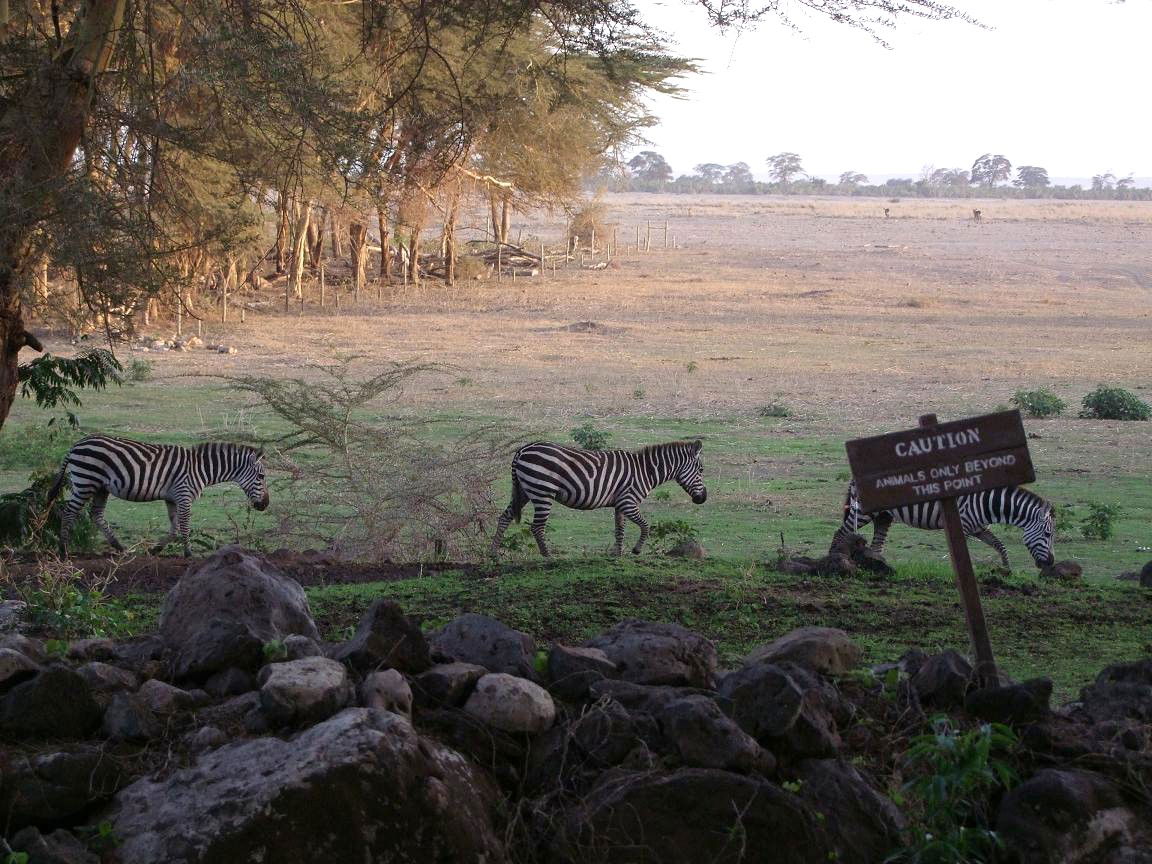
{"x": 236, "y": 734}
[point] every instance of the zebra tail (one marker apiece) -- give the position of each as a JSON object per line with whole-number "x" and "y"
{"x": 519, "y": 499}
{"x": 57, "y": 484}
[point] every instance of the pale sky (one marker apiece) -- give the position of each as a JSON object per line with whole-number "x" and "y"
{"x": 1057, "y": 83}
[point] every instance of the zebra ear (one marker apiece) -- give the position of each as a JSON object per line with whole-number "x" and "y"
{"x": 259, "y": 452}
{"x": 697, "y": 445}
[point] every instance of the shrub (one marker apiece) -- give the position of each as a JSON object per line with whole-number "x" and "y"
{"x": 1039, "y": 403}
{"x": 35, "y": 447}
{"x": 958, "y": 772}
{"x": 638, "y": 393}
{"x": 1114, "y": 403}
{"x": 1097, "y": 525}
{"x": 59, "y": 604}
{"x": 26, "y": 519}
{"x": 369, "y": 480}
{"x": 590, "y": 438}
{"x": 139, "y": 370}
{"x": 590, "y": 217}
{"x": 774, "y": 410}
{"x": 1063, "y": 520}
{"x": 670, "y": 532}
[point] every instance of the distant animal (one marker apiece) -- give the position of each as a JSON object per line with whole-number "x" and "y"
{"x": 1009, "y": 505}
{"x": 886, "y": 213}
{"x": 976, "y": 214}
{"x": 544, "y": 473}
{"x": 100, "y": 465}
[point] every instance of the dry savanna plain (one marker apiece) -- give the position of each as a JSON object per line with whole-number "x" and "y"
{"x": 774, "y": 329}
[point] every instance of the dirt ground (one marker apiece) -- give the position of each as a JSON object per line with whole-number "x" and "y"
{"x": 855, "y": 321}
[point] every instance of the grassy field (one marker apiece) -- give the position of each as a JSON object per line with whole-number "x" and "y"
{"x": 856, "y": 324}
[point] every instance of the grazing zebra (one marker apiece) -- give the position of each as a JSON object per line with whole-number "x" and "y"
{"x": 590, "y": 479}
{"x": 1009, "y": 505}
{"x": 99, "y": 466}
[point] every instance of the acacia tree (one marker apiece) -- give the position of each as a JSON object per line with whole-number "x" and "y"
{"x": 852, "y": 178}
{"x": 147, "y": 182}
{"x": 784, "y": 166}
{"x": 1031, "y": 177}
{"x": 988, "y": 170}
{"x": 738, "y": 174}
{"x": 650, "y": 165}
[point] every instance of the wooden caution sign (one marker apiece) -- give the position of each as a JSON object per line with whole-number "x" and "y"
{"x": 939, "y": 462}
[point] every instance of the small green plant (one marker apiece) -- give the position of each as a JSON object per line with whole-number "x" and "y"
{"x": 61, "y": 605}
{"x": 639, "y": 393}
{"x": 691, "y": 366}
{"x": 1097, "y": 525}
{"x": 26, "y": 519}
{"x": 661, "y": 495}
{"x": 590, "y": 438}
{"x": 1063, "y": 520}
{"x": 775, "y": 409}
{"x": 464, "y": 382}
{"x": 1039, "y": 403}
{"x": 667, "y": 533}
{"x": 16, "y": 858}
{"x": 275, "y": 651}
{"x": 956, "y": 772}
{"x": 522, "y": 538}
{"x": 1114, "y": 403}
{"x": 139, "y": 370}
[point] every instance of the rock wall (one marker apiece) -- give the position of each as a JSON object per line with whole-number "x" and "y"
{"x": 473, "y": 743}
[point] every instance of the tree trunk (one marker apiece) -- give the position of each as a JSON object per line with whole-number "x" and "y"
{"x": 414, "y": 257}
{"x": 505, "y": 217}
{"x": 385, "y": 245}
{"x": 450, "y": 243}
{"x": 39, "y": 132}
{"x": 358, "y": 238}
{"x": 316, "y": 241}
{"x": 334, "y": 236}
{"x": 301, "y": 213}
{"x": 282, "y": 227}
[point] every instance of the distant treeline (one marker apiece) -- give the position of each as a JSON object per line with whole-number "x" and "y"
{"x": 897, "y": 187}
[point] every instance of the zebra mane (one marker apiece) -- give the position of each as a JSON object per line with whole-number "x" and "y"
{"x": 665, "y": 447}
{"x": 208, "y": 446}
{"x": 1030, "y": 496}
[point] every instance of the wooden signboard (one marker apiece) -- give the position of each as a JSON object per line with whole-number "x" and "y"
{"x": 939, "y": 462}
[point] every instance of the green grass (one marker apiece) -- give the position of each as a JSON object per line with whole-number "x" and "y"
{"x": 766, "y": 477}
{"x": 1067, "y": 632}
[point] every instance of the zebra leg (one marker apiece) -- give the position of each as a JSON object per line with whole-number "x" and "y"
{"x": 986, "y": 536}
{"x": 618, "y": 549}
{"x": 540, "y": 513}
{"x": 171, "y": 535}
{"x": 68, "y": 514}
{"x": 99, "y": 502}
{"x": 501, "y": 526}
{"x": 632, "y": 511}
{"x": 183, "y": 514}
{"x": 881, "y": 523}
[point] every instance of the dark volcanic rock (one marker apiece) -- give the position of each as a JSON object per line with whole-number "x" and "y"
{"x": 862, "y": 824}
{"x": 1066, "y": 816}
{"x": 362, "y": 786}
{"x": 571, "y": 671}
{"x": 688, "y": 816}
{"x": 59, "y": 847}
{"x": 46, "y": 788}
{"x": 446, "y": 684}
{"x": 386, "y": 638}
{"x": 1015, "y": 704}
{"x": 825, "y": 650}
{"x": 222, "y": 612}
{"x": 648, "y": 652}
{"x": 57, "y": 703}
{"x": 943, "y": 680}
{"x": 1121, "y": 691}
{"x": 766, "y": 702}
{"x": 475, "y": 638}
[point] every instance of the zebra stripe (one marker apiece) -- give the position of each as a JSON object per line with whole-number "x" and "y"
{"x": 1008, "y": 505}
{"x": 100, "y": 465}
{"x": 545, "y": 473}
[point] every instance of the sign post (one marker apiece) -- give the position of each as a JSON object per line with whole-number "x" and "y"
{"x": 940, "y": 462}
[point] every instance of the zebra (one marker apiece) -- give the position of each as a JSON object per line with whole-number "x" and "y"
{"x": 590, "y": 479}
{"x": 99, "y": 465}
{"x": 1008, "y": 505}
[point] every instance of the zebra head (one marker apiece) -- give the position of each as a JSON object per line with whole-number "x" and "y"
{"x": 690, "y": 474}
{"x": 250, "y": 477}
{"x": 852, "y": 507}
{"x": 1038, "y": 535}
